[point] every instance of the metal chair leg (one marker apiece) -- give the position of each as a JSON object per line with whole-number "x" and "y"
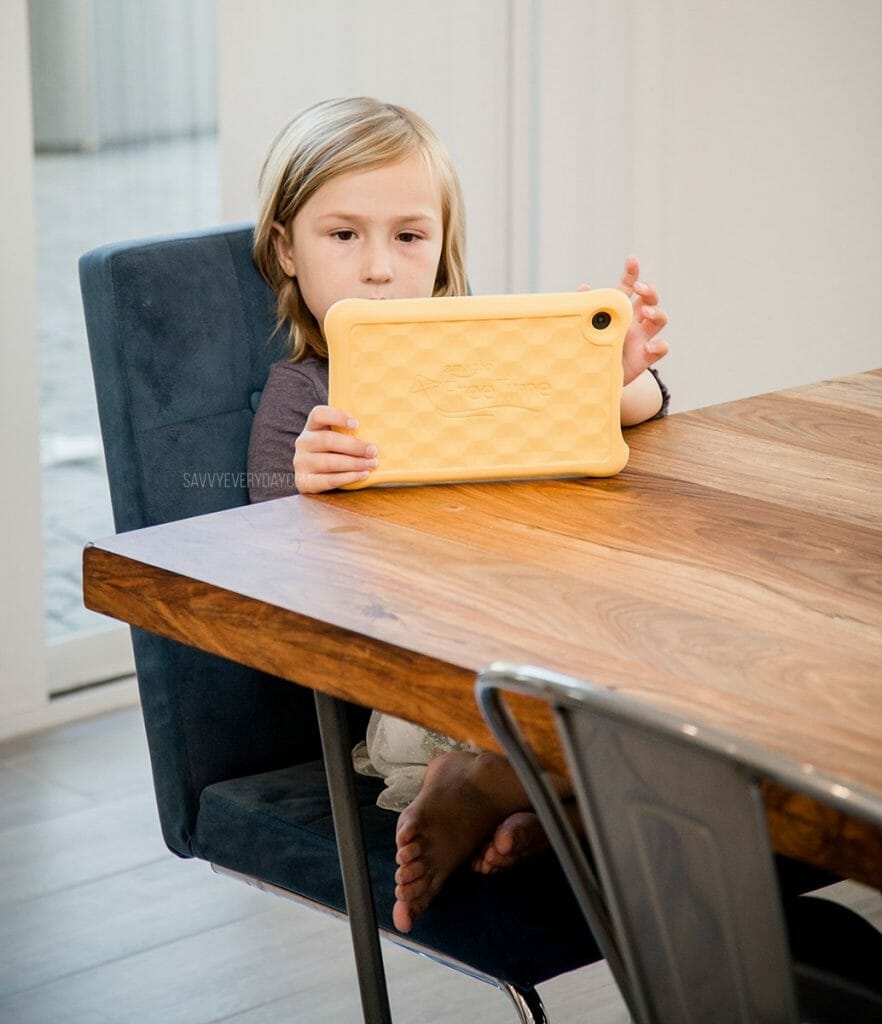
{"x": 334, "y": 729}
{"x": 336, "y": 745}
{"x": 527, "y": 1003}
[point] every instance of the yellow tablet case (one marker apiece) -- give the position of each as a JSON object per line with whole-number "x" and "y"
{"x": 484, "y": 387}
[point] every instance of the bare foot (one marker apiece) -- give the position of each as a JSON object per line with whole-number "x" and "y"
{"x": 463, "y": 798}
{"x": 518, "y": 837}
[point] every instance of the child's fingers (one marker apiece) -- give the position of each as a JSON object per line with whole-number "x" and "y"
{"x": 645, "y": 299}
{"x": 324, "y": 471}
{"x": 640, "y": 355}
{"x": 321, "y": 417}
{"x": 318, "y": 483}
{"x": 646, "y": 293}
{"x": 630, "y": 275}
{"x": 317, "y": 441}
{"x": 654, "y": 316}
{"x": 342, "y": 479}
{"x": 329, "y": 463}
{"x": 655, "y": 349}
{"x": 319, "y": 435}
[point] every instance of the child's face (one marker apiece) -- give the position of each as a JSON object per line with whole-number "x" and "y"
{"x": 372, "y": 234}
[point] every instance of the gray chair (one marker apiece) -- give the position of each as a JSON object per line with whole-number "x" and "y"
{"x": 180, "y": 333}
{"x": 679, "y": 884}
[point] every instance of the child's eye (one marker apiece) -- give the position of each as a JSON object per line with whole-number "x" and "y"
{"x": 408, "y": 236}
{"x": 345, "y": 235}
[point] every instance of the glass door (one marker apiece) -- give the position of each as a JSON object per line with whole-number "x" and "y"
{"x": 125, "y": 147}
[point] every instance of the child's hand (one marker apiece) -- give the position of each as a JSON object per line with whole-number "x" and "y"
{"x": 326, "y": 458}
{"x": 641, "y": 348}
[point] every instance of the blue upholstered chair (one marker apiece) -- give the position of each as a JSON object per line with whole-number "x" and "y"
{"x": 180, "y": 334}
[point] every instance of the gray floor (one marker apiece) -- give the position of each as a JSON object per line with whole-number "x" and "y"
{"x": 83, "y": 200}
{"x": 101, "y": 925}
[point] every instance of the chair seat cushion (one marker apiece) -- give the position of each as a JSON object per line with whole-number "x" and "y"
{"x": 521, "y": 925}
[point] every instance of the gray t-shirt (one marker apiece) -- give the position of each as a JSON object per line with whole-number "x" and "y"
{"x": 292, "y": 390}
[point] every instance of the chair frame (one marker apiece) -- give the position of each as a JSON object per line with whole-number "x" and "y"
{"x": 365, "y": 931}
{"x": 763, "y": 983}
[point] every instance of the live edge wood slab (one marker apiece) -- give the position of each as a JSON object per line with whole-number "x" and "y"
{"x": 732, "y": 572}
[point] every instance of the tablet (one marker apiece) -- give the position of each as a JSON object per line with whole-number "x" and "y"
{"x": 498, "y": 387}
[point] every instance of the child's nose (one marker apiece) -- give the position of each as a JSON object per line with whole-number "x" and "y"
{"x": 377, "y": 266}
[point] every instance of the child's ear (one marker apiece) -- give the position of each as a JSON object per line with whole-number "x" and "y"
{"x": 283, "y": 249}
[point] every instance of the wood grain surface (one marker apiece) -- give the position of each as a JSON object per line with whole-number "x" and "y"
{"x": 732, "y": 572}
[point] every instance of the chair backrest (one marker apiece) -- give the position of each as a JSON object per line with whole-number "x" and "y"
{"x": 677, "y": 832}
{"x": 180, "y": 336}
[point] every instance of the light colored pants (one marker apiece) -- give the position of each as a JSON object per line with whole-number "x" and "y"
{"x": 398, "y": 752}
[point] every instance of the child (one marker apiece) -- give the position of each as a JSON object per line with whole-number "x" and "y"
{"x": 360, "y": 199}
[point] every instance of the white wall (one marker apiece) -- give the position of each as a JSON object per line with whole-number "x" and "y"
{"x": 277, "y": 57}
{"x": 22, "y": 668}
{"x": 737, "y": 148}
{"x": 758, "y": 195}
{"x": 583, "y": 202}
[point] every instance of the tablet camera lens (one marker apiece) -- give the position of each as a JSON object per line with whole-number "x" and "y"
{"x": 600, "y": 321}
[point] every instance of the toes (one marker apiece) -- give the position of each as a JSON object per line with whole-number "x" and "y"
{"x": 505, "y": 843}
{"x": 497, "y": 858}
{"x": 481, "y": 856}
{"x": 410, "y": 891}
{"x": 410, "y": 872}
{"x": 401, "y": 917}
{"x": 405, "y": 912}
{"x": 495, "y": 861}
{"x": 418, "y": 907}
{"x": 407, "y": 854}
{"x": 407, "y": 828}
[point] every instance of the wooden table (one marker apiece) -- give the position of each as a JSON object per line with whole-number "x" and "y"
{"x": 732, "y": 572}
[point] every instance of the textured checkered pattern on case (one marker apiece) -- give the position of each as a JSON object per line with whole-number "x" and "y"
{"x": 489, "y": 397}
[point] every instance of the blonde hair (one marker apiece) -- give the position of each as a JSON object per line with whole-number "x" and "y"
{"x": 326, "y": 140}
